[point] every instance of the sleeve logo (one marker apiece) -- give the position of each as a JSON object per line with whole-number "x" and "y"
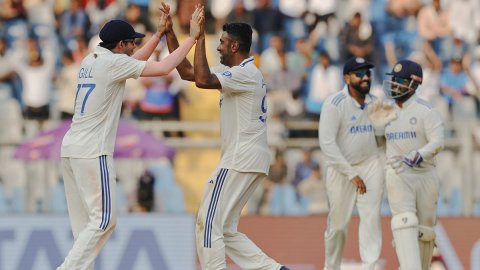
{"x": 227, "y": 74}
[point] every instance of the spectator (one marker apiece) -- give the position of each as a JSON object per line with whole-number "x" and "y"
{"x": 7, "y": 70}
{"x": 41, "y": 18}
{"x": 313, "y": 189}
{"x": 304, "y": 168}
{"x": 267, "y": 21}
{"x": 133, "y": 15}
{"x": 433, "y": 24}
{"x": 145, "y": 193}
{"x": 64, "y": 82}
{"x": 453, "y": 82}
{"x": 13, "y": 17}
{"x": 323, "y": 26}
{"x": 36, "y": 76}
{"x": 281, "y": 195}
{"x": 101, "y": 11}
{"x": 143, "y": 7}
{"x": 400, "y": 37}
{"x": 161, "y": 97}
{"x": 293, "y": 23}
{"x": 465, "y": 22}
{"x": 301, "y": 61}
{"x": 278, "y": 169}
{"x": 239, "y": 13}
{"x": 74, "y": 23}
{"x": 358, "y": 38}
{"x": 271, "y": 57}
{"x": 473, "y": 86}
{"x": 281, "y": 85}
{"x": 429, "y": 89}
{"x": 325, "y": 79}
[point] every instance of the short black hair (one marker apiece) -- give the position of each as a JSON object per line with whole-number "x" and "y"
{"x": 108, "y": 46}
{"x": 240, "y": 32}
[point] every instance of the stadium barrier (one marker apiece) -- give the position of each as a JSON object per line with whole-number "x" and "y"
{"x": 166, "y": 242}
{"x": 139, "y": 242}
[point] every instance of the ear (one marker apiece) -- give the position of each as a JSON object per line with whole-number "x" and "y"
{"x": 346, "y": 78}
{"x": 121, "y": 45}
{"x": 235, "y": 46}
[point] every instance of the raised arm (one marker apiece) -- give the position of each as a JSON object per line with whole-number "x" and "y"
{"x": 185, "y": 68}
{"x": 203, "y": 77}
{"x": 165, "y": 66}
{"x": 146, "y": 50}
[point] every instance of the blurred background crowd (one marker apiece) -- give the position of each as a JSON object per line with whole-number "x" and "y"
{"x": 299, "y": 45}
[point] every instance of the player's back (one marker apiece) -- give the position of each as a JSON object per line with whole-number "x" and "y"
{"x": 98, "y": 100}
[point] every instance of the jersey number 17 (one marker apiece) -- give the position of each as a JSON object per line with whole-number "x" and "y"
{"x": 86, "y": 88}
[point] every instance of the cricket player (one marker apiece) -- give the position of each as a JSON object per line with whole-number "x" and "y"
{"x": 413, "y": 140}
{"x": 354, "y": 174}
{"x": 87, "y": 148}
{"x": 245, "y": 155}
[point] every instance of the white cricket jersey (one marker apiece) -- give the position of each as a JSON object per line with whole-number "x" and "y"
{"x": 346, "y": 134}
{"x": 98, "y": 100}
{"x": 243, "y": 116}
{"x": 419, "y": 126}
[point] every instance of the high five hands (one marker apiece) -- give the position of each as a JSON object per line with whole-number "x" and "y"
{"x": 196, "y": 22}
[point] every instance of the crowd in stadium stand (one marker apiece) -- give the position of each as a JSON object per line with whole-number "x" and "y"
{"x": 299, "y": 45}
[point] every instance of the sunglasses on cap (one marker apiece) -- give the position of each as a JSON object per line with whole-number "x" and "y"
{"x": 362, "y": 73}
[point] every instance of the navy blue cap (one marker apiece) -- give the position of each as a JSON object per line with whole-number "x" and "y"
{"x": 116, "y": 30}
{"x": 356, "y": 63}
{"x": 407, "y": 69}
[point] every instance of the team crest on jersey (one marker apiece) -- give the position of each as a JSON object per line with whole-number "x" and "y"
{"x": 354, "y": 118}
{"x": 413, "y": 121}
{"x": 227, "y": 74}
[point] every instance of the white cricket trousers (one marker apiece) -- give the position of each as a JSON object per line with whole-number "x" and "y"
{"x": 90, "y": 191}
{"x": 342, "y": 198}
{"x": 225, "y": 195}
{"x": 414, "y": 191}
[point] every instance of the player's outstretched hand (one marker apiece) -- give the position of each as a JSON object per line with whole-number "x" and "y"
{"x": 162, "y": 22}
{"x": 197, "y": 21}
{"x": 168, "y": 25}
{"x": 381, "y": 112}
{"x": 358, "y": 182}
